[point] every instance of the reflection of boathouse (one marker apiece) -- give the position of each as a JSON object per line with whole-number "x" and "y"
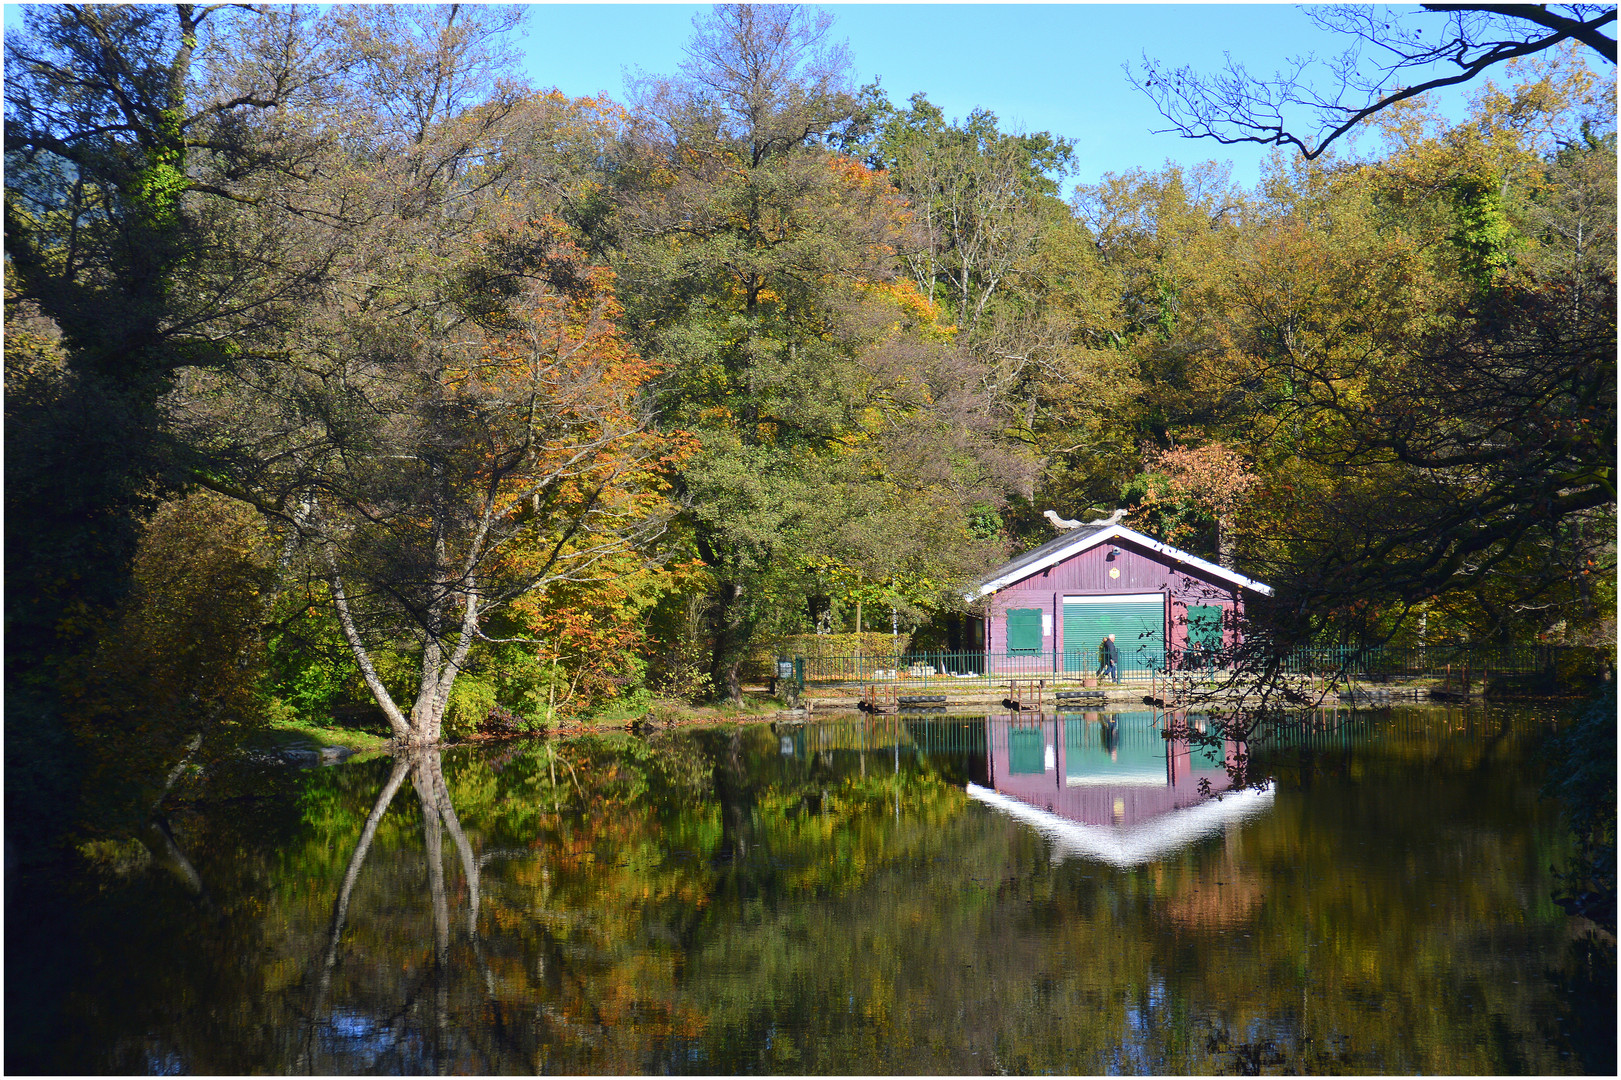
{"x": 1109, "y": 786}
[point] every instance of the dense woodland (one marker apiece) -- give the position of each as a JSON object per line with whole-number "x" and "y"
{"x": 346, "y": 371}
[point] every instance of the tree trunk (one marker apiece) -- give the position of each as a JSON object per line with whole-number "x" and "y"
{"x": 723, "y": 668}
{"x": 397, "y": 722}
{"x": 438, "y": 672}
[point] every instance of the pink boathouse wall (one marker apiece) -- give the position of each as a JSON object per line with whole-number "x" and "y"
{"x": 1142, "y": 570}
{"x": 1099, "y": 802}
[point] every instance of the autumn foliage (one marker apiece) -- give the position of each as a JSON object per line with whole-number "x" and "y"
{"x": 1186, "y": 487}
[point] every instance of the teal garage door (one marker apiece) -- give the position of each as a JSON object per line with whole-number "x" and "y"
{"x": 1137, "y": 622}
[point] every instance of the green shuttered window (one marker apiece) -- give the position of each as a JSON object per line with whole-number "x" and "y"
{"x": 1204, "y": 626}
{"x": 1023, "y": 630}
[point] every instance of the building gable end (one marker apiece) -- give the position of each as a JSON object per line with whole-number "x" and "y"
{"x": 1059, "y": 554}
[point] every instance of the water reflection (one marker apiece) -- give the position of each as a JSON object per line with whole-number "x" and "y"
{"x": 345, "y": 1040}
{"x": 835, "y": 897}
{"x": 1112, "y": 786}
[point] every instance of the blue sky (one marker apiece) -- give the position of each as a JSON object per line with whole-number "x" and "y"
{"x": 1039, "y": 67}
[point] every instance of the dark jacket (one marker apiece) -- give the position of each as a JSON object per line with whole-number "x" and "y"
{"x": 1110, "y": 653}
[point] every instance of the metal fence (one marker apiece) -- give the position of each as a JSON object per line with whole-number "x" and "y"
{"x": 1439, "y": 661}
{"x": 937, "y": 667}
{"x": 1375, "y": 662}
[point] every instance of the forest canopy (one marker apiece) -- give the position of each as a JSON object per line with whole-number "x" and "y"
{"x": 488, "y": 402}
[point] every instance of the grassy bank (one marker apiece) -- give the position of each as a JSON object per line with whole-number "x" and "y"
{"x": 298, "y": 734}
{"x": 295, "y": 734}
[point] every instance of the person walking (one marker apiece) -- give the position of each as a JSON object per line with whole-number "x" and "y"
{"x": 1111, "y": 658}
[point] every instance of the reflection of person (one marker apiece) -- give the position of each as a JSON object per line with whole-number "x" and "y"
{"x": 1111, "y": 658}
{"x": 1111, "y": 738}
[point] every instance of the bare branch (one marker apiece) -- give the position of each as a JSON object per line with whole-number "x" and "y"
{"x": 1232, "y": 106}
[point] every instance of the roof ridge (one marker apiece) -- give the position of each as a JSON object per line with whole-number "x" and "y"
{"x": 1055, "y": 550}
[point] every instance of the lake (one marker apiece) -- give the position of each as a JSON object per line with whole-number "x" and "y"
{"x": 1069, "y": 894}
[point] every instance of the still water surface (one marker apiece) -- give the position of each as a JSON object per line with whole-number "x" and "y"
{"x": 1072, "y": 894}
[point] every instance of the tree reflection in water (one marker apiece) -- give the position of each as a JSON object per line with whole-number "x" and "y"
{"x": 426, "y": 770}
{"x": 829, "y": 897}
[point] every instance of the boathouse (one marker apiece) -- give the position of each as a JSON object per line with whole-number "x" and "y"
{"x": 1050, "y": 608}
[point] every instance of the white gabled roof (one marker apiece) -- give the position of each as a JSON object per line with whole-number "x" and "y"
{"x": 1056, "y": 551}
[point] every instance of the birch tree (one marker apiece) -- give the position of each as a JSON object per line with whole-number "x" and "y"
{"x": 432, "y": 472}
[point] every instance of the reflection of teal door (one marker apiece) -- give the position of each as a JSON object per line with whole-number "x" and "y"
{"x": 1208, "y": 756}
{"x": 1117, "y": 748}
{"x": 1026, "y": 750}
{"x": 1137, "y": 623}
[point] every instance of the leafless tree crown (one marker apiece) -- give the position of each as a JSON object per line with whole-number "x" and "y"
{"x": 1304, "y": 107}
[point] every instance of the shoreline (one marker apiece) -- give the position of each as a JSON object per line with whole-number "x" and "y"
{"x": 311, "y": 746}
